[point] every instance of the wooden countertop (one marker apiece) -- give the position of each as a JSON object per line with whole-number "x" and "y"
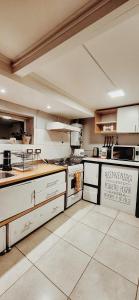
{"x": 38, "y": 170}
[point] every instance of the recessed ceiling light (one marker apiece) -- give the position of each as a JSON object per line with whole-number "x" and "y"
{"x": 3, "y": 91}
{"x": 48, "y": 106}
{"x": 7, "y": 117}
{"x": 116, "y": 93}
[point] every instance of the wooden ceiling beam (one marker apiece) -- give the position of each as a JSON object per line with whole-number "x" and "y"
{"x": 87, "y": 15}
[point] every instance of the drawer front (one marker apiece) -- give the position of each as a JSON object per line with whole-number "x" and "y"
{"x": 16, "y": 199}
{"x": 74, "y": 198}
{"x": 50, "y": 181}
{"x": 90, "y": 194}
{"x": 21, "y": 227}
{"x": 2, "y": 238}
{"x": 49, "y": 193}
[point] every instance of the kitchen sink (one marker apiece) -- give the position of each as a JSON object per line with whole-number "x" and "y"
{"x": 5, "y": 175}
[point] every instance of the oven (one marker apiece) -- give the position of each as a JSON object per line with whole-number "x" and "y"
{"x": 71, "y": 179}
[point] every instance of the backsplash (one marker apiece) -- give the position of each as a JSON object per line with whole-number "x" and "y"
{"x": 52, "y": 144}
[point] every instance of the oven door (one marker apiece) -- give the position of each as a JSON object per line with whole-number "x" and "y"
{"x": 72, "y": 183}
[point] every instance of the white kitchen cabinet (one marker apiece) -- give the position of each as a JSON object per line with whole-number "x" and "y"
{"x": 119, "y": 188}
{"x": 15, "y": 199}
{"x": 128, "y": 119}
{"x": 2, "y": 238}
{"x": 91, "y": 173}
{"x": 49, "y": 186}
{"x": 90, "y": 193}
{"x": 21, "y": 227}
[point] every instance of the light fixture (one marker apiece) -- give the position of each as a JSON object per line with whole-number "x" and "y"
{"x": 3, "y": 91}
{"x": 116, "y": 93}
{"x": 7, "y": 117}
{"x": 48, "y": 107}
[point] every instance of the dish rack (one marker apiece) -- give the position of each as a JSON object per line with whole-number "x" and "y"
{"x": 26, "y": 160}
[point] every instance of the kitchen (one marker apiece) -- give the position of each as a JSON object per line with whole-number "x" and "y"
{"x": 69, "y": 150}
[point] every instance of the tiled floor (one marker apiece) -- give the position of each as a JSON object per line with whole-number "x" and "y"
{"x": 86, "y": 253}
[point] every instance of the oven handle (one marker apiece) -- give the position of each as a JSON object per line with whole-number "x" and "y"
{"x": 72, "y": 174}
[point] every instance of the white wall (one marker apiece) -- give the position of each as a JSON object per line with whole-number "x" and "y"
{"x": 53, "y": 144}
{"x": 90, "y": 139}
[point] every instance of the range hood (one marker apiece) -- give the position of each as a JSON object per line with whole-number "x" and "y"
{"x": 59, "y": 126}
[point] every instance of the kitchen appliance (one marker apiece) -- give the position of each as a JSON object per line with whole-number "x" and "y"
{"x": 6, "y": 161}
{"x": 79, "y": 152}
{"x": 59, "y": 126}
{"x": 122, "y": 152}
{"x": 95, "y": 152}
{"x": 74, "y": 178}
{"x": 76, "y": 136}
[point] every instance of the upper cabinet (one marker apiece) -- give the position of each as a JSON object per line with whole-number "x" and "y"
{"x": 128, "y": 119}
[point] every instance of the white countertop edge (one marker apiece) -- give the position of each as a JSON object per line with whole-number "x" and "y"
{"x": 112, "y": 161}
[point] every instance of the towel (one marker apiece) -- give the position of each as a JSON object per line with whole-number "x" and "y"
{"x": 78, "y": 181}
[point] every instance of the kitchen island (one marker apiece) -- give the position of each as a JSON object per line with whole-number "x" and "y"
{"x": 113, "y": 183}
{"x": 28, "y": 200}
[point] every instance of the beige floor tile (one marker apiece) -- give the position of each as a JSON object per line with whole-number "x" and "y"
{"x": 110, "y": 212}
{"x": 33, "y": 286}
{"x": 129, "y": 219}
{"x": 80, "y": 209}
{"x": 36, "y": 244}
{"x": 12, "y": 266}
{"x": 97, "y": 221}
{"x": 85, "y": 238}
{"x": 99, "y": 282}
{"x": 64, "y": 264}
{"x": 60, "y": 225}
{"x": 120, "y": 257}
{"x": 125, "y": 233}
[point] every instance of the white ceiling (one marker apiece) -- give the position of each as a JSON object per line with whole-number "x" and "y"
{"x": 116, "y": 66}
{"x": 40, "y": 97}
{"x": 23, "y": 23}
{"x": 71, "y": 80}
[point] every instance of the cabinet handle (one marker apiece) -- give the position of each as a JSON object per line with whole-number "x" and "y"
{"x": 24, "y": 183}
{"x": 52, "y": 194}
{"x": 52, "y": 183}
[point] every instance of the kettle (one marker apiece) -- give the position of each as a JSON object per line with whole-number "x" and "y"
{"x": 95, "y": 152}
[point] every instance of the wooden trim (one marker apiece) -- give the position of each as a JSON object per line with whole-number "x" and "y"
{"x": 87, "y": 15}
{"x": 7, "y": 221}
{"x": 5, "y": 63}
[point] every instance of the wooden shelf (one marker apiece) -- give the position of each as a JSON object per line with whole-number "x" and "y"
{"x": 106, "y": 118}
{"x": 106, "y": 122}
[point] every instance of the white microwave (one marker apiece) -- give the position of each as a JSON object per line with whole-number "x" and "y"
{"x": 125, "y": 152}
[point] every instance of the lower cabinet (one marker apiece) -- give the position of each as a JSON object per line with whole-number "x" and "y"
{"x": 15, "y": 199}
{"x": 2, "y": 238}
{"x": 74, "y": 198}
{"x": 90, "y": 193}
{"x": 21, "y": 227}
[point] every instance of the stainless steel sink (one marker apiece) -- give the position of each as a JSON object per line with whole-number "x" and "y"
{"x": 5, "y": 175}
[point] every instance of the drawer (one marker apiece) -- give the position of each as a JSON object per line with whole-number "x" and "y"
{"x": 90, "y": 194}
{"x": 2, "y": 238}
{"x": 21, "y": 227}
{"x": 50, "y": 181}
{"x": 74, "y": 198}
{"x": 15, "y": 199}
{"x": 49, "y": 193}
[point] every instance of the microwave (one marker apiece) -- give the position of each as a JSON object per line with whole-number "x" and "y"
{"x": 130, "y": 153}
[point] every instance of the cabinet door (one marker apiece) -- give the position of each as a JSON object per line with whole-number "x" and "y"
{"x": 2, "y": 238}
{"x": 128, "y": 119}
{"x": 91, "y": 173}
{"x": 49, "y": 193}
{"x": 119, "y": 188}
{"x": 21, "y": 227}
{"x": 15, "y": 199}
{"x": 90, "y": 194}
